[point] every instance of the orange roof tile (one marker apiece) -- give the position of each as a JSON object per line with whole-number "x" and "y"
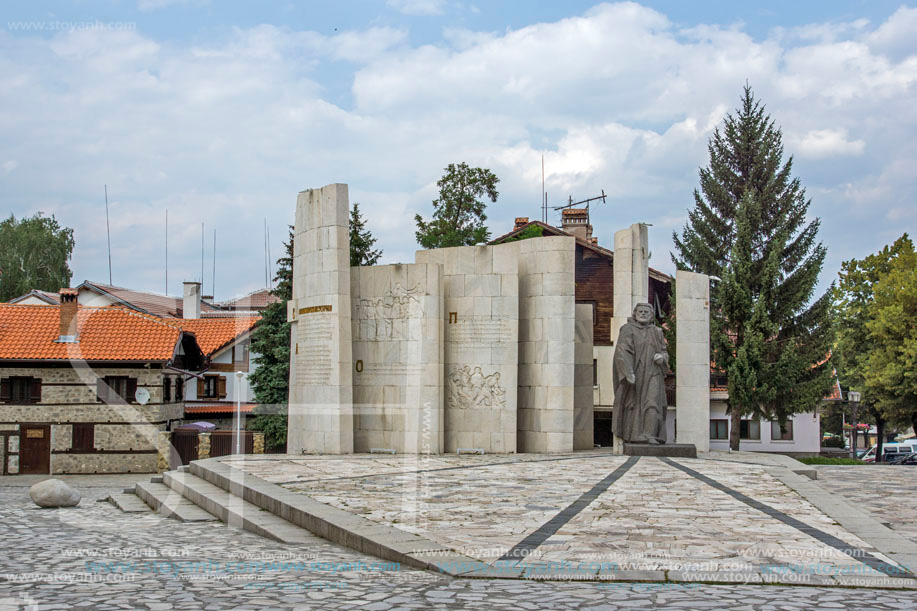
{"x": 30, "y": 332}
{"x": 215, "y": 333}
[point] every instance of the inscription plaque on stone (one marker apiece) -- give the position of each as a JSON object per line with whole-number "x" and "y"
{"x": 314, "y": 335}
{"x": 482, "y": 330}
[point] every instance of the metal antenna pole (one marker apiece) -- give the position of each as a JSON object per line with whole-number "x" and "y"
{"x": 202, "y": 258}
{"x": 270, "y": 270}
{"x": 213, "y": 282}
{"x": 108, "y": 231}
{"x": 167, "y": 251}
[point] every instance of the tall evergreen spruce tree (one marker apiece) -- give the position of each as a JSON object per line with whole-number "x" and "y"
{"x": 271, "y": 342}
{"x": 748, "y": 227}
{"x": 361, "y": 240}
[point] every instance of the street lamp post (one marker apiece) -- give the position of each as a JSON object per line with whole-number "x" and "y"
{"x": 239, "y": 376}
{"x": 854, "y": 398}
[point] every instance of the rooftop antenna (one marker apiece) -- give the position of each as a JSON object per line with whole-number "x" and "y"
{"x": 570, "y": 203}
{"x": 213, "y": 282}
{"x": 202, "y": 257}
{"x": 167, "y": 251}
{"x": 544, "y": 197}
{"x": 270, "y": 270}
{"x": 108, "y": 231}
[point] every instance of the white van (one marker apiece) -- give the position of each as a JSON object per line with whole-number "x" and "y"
{"x": 890, "y": 449}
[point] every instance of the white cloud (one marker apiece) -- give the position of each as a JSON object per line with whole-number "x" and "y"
{"x": 618, "y": 98}
{"x": 822, "y": 143}
{"x": 9, "y": 165}
{"x": 418, "y": 7}
{"x": 155, "y": 5}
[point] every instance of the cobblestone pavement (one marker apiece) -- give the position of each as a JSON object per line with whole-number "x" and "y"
{"x": 654, "y": 518}
{"x": 888, "y": 491}
{"x": 41, "y": 567}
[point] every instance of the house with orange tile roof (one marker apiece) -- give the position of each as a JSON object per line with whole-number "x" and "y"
{"x": 92, "y": 389}
{"x": 226, "y": 340}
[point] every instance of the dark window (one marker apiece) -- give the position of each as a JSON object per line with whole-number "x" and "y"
{"x": 20, "y": 389}
{"x": 750, "y": 429}
{"x": 179, "y": 388}
{"x": 211, "y": 387}
{"x": 595, "y": 372}
{"x": 166, "y": 389}
{"x": 83, "y": 436}
{"x": 112, "y": 389}
{"x": 777, "y": 435}
{"x": 719, "y": 429}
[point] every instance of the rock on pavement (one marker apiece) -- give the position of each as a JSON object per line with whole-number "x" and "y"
{"x": 54, "y": 493}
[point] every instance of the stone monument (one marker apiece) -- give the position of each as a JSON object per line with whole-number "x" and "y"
{"x": 641, "y": 362}
{"x": 472, "y": 348}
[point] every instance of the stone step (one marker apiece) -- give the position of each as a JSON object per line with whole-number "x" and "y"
{"x": 235, "y": 511}
{"x": 170, "y": 503}
{"x": 128, "y": 502}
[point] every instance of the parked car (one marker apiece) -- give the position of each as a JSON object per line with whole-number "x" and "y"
{"x": 899, "y": 458}
{"x": 903, "y": 459}
{"x": 890, "y": 449}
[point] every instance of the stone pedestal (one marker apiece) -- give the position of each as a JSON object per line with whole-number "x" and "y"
{"x": 692, "y": 359}
{"x": 670, "y": 450}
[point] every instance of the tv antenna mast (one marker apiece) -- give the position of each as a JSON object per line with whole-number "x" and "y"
{"x": 570, "y": 204}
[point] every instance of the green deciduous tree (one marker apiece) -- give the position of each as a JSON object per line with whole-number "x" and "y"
{"x": 891, "y": 367}
{"x": 361, "y": 240}
{"x": 271, "y": 342}
{"x": 458, "y": 213}
{"x": 34, "y": 254}
{"x": 875, "y": 311}
{"x": 748, "y": 227}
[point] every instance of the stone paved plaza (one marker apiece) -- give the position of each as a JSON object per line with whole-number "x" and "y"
{"x": 659, "y": 515}
{"x": 892, "y": 502}
{"x": 41, "y": 568}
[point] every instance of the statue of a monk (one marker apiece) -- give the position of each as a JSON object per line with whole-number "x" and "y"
{"x": 641, "y": 363}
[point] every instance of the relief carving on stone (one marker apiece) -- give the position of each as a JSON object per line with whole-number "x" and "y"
{"x": 387, "y": 318}
{"x": 472, "y": 389}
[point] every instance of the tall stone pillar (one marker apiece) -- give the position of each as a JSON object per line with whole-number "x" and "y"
{"x": 631, "y": 281}
{"x": 321, "y": 368}
{"x": 631, "y": 273}
{"x": 692, "y": 359}
{"x": 583, "y": 406}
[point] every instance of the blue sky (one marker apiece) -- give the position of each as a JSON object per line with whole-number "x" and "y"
{"x": 221, "y": 112}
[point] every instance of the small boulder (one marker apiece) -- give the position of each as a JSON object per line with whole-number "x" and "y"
{"x": 54, "y": 493}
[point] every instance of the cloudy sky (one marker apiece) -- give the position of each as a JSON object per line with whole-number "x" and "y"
{"x": 221, "y": 112}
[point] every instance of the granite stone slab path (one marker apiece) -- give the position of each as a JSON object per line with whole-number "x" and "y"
{"x": 96, "y": 557}
{"x": 593, "y": 515}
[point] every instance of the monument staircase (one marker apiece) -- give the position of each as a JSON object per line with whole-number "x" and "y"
{"x": 210, "y": 490}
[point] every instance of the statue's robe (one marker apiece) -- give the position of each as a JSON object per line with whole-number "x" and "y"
{"x": 640, "y": 408}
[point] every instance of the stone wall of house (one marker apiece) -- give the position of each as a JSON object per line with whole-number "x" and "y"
{"x": 125, "y": 435}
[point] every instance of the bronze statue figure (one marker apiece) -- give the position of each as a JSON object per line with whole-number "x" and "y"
{"x": 641, "y": 363}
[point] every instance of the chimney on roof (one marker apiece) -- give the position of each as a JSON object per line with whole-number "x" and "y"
{"x": 521, "y": 221}
{"x": 68, "y": 320}
{"x": 575, "y": 221}
{"x": 191, "y": 306}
